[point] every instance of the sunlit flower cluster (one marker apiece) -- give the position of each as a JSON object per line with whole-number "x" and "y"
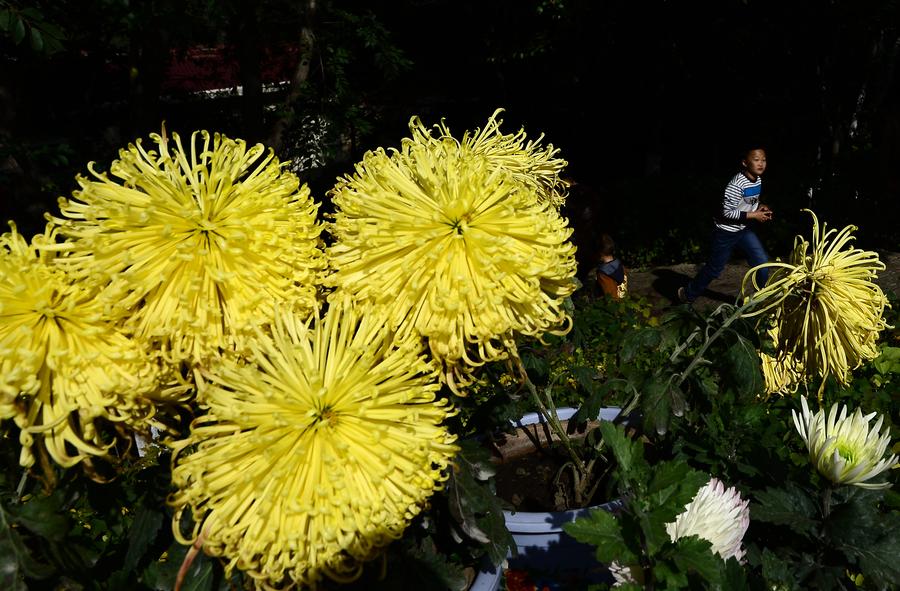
{"x": 529, "y": 163}
{"x": 195, "y": 242}
{"x": 316, "y": 452}
{"x": 844, "y": 449}
{"x": 455, "y": 248}
{"x": 826, "y": 308}
{"x": 66, "y": 367}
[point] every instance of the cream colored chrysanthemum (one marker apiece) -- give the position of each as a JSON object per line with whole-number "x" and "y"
{"x": 455, "y": 249}
{"x": 65, "y": 367}
{"x": 717, "y": 515}
{"x": 531, "y": 164}
{"x": 825, "y": 305}
{"x": 197, "y": 242}
{"x": 316, "y": 453}
{"x": 843, "y": 449}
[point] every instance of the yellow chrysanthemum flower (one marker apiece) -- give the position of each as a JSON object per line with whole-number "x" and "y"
{"x": 826, "y": 307}
{"x": 782, "y": 375}
{"x": 314, "y": 454}
{"x": 531, "y": 164}
{"x": 455, "y": 249}
{"x": 65, "y": 367}
{"x": 843, "y": 448}
{"x": 197, "y": 242}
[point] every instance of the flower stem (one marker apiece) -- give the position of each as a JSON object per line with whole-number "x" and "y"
{"x": 551, "y": 418}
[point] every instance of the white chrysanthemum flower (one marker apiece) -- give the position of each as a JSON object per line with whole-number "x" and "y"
{"x": 717, "y": 515}
{"x": 843, "y": 448}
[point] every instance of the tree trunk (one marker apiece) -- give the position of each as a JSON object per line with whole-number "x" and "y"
{"x": 301, "y": 75}
{"x": 249, "y": 55}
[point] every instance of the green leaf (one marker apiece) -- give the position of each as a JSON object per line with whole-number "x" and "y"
{"x": 645, "y": 338}
{"x": 16, "y": 561}
{"x": 629, "y": 454}
{"x": 875, "y": 545}
{"x": 44, "y": 516}
{"x": 535, "y": 365}
{"x": 601, "y": 530}
{"x": 656, "y": 405}
{"x": 744, "y": 367}
{"x": 888, "y": 361}
{"x": 790, "y": 506}
{"x": 473, "y": 503}
{"x": 735, "y": 577}
{"x": 777, "y": 569}
{"x": 142, "y": 533}
{"x": 671, "y": 578}
{"x": 586, "y": 377}
{"x": 18, "y": 31}
{"x": 693, "y": 554}
{"x": 5, "y": 16}
{"x": 160, "y": 576}
{"x": 673, "y": 486}
{"x": 420, "y": 567}
{"x": 37, "y": 42}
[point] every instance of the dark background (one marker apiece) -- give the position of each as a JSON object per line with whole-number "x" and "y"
{"x": 650, "y": 101}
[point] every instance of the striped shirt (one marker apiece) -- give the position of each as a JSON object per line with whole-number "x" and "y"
{"x": 741, "y": 197}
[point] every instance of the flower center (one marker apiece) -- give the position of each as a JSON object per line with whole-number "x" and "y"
{"x": 461, "y": 224}
{"x": 325, "y": 417}
{"x": 845, "y": 452}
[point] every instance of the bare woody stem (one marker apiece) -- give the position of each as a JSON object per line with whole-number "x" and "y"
{"x": 550, "y": 417}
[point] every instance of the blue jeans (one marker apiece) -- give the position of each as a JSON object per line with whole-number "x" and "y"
{"x": 723, "y": 243}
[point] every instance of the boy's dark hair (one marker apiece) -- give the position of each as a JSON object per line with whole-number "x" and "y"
{"x": 749, "y": 147}
{"x": 607, "y": 245}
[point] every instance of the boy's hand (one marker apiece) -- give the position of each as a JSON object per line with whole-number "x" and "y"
{"x": 763, "y": 214}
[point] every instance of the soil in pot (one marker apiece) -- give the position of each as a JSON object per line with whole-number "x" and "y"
{"x": 535, "y": 473}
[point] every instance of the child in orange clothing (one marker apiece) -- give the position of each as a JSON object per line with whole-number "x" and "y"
{"x": 611, "y": 277}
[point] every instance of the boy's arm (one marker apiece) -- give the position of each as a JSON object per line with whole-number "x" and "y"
{"x": 731, "y": 202}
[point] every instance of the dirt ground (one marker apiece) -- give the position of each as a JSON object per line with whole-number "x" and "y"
{"x": 659, "y": 284}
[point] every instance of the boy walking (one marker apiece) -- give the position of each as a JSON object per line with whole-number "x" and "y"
{"x": 740, "y": 204}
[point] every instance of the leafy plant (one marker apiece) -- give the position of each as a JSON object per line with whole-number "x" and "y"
{"x": 636, "y": 537}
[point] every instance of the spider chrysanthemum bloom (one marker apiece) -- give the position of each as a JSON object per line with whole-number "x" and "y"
{"x": 844, "y": 449}
{"x": 783, "y": 374}
{"x": 197, "y": 242}
{"x": 826, "y": 307}
{"x": 66, "y": 367}
{"x": 455, "y": 249}
{"x": 717, "y": 515}
{"x": 530, "y": 163}
{"x": 316, "y": 452}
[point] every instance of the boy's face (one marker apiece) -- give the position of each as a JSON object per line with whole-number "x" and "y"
{"x": 755, "y": 162}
